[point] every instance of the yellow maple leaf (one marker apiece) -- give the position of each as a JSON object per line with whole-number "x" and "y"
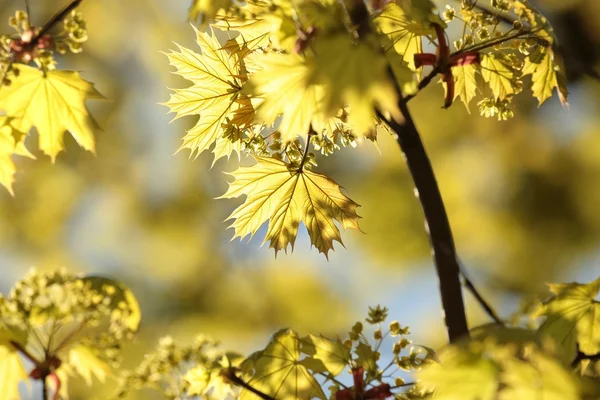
{"x": 355, "y": 75}
{"x": 544, "y": 77}
{"x": 285, "y": 196}
{"x": 12, "y": 370}
{"x": 405, "y": 34}
{"x": 573, "y": 317}
{"x": 288, "y": 88}
{"x": 215, "y": 95}
{"x": 53, "y": 102}
{"x": 498, "y": 76}
{"x": 465, "y": 83}
{"x": 207, "y": 9}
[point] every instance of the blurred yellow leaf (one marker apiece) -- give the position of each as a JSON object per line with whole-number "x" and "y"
{"x": 87, "y": 364}
{"x": 404, "y": 33}
{"x": 207, "y": 9}
{"x": 356, "y": 76}
{"x": 53, "y": 102}
{"x": 11, "y": 372}
{"x": 573, "y": 317}
{"x": 286, "y": 196}
{"x": 286, "y": 84}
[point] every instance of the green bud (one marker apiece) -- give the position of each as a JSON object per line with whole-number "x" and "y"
{"x": 357, "y": 327}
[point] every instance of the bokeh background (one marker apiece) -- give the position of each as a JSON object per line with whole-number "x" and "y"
{"x": 523, "y": 198}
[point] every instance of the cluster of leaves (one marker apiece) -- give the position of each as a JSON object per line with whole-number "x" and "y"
{"x": 515, "y": 363}
{"x": 292, "y": 75}
{"x": 40, "y": 96}
{"x": 496, "y": 362}
{"x": 65, "y": 325}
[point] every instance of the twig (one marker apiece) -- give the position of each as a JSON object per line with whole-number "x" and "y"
{"x": 482, "y": 302}
{"x": 582, "y": 356}
{"x": 229, "y": 373}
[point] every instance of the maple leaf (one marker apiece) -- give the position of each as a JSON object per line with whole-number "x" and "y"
{"x": 404, "y": 33}
{"x": 286, "y": 195}
{"x": 11, "y": 143}
{"x": 573, "y": 317}
{"x": 87, "y": 364}
{"x": 332, "y": 353}
{"x": 53, "y": 102}
{"x": 544, "y": 76}
{"x": 207, "y": 9}
{"x": 12, "y": 370}
{"x": 214, "y": 95}
{"x": 465, "y": 84}
{"x": 278, "y": 371}
{"x": 288, "y": 89}
{"x": 356, "y": 76}
{"x": 252, "y": 32}
{"x": 498, "y": 76}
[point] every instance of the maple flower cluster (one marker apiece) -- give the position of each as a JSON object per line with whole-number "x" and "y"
{"x": 66, "y": 325}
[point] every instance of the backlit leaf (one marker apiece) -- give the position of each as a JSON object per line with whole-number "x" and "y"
{"x": 214, "y": 95}
{"x": 288, "y": 88}
{"x": 285, "y": 196}
{"x": 277, "y": 371}
{"x": 461, "y": 375}
{"x": 465, "y": 83}
{"x": 11, "y": 372}
{"x": 573, "y": 316}
{"x": 498, "y": 76}
{"x": 207, "y": 9}
{"x": 356, "y": 76}
{"x": 332, "y": 353}
{"x": 404, "y": 33}
{"x": 543, "y": 76}
{"x": 489, "y": 370}
{"x": 53, "y": 102}
{"x": 87, "y": 364}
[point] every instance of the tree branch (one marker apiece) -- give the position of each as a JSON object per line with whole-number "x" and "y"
{"x": 437, "y": 223}
{"x": 428, "y": 193}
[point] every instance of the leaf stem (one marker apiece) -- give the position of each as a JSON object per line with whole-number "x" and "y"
{"x": 310, "y": 134}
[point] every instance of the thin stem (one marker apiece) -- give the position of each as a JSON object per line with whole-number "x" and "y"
{"x": 484, "y": 304}
{"x": 311, "y": 133}
{"x": 491, "y": 43}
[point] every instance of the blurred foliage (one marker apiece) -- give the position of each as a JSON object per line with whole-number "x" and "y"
{"x": 522, "y": 197}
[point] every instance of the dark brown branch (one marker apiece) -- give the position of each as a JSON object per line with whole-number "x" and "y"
{"x": 426, "y": 188}
{"x": 437, "y": 223}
